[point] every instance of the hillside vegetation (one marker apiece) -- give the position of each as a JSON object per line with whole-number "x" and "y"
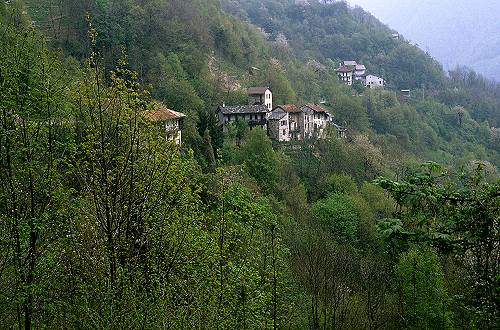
{"x": 105, "y": 224}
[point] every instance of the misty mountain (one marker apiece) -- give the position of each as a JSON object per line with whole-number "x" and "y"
{"x": 455, "y": 32}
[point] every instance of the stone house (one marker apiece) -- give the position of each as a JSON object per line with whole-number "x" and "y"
{"x": 254, "y": 115}
{"x": 306, "y": 122}
{"x": 261, "y": 96}
{"x": 359, "y": 72}
{"x": 278, "y": 125}
{"x": 170, "y": 120}
{"x": 316, "y": 120}
{"x": 294, "y": 120}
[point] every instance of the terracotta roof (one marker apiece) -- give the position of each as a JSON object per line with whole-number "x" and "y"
{"x": 343, "y": 69}
{"x": 163, "y": 113}
{"x": 244, "y": 109}
{"x": 289, "y": 108}
{"x": 316, "y": 108}
{"x": 257, "y": 90}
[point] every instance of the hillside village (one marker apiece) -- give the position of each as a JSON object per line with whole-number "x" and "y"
{"x": 289, "y": 122}
{"x": 163, "y": 163}
{"x": 351, "y": 71}
{"x": 283, "y": 123}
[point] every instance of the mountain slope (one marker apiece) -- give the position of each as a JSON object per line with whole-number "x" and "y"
{"x": 107, "y": 224}
{"x": 337, "y": 32}
{"x": 455, "y": 32}
{"x": 333, "y": 31}
{"x": 196, "y": 67}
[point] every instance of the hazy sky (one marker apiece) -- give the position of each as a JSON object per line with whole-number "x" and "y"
{"x": 465, "y": 32}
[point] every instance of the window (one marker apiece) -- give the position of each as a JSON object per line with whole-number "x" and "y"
{"x": 283, "y": 123}
{"x": 284, "y": 132}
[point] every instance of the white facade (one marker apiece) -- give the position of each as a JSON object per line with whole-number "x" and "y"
{"x": 268, "y": 99}
{"x": 173, "y": 130}
{"x": 348, "y": 71}
{"x": 345, "y": 77}
{"x": 261, "y": 95}
{"x": 374, "y": 81}
{"x": 169, "y": 120}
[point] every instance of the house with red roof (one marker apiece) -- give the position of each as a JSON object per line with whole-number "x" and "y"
{"x": 348, "y": 71}
{"x": 345, "y": 74}
{"x": 171, "y": 121}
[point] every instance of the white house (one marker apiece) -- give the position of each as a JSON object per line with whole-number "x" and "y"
{"x": 372, "y": 81}
{"x": 345, "y": 74}
{"x": 261, "y": 96}
{"x": 171, "y": 121}
{"x": 349, "y": 71}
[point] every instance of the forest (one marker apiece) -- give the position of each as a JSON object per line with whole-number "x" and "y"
{"x": 105, "y": 224}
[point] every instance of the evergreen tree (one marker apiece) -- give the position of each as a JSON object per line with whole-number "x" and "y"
{"x": 209, "y": 151}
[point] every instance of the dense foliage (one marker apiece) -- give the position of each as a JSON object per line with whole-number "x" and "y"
{"x": 105, "y": 224}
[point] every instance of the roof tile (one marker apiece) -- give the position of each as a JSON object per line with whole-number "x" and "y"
{"x": 163, "y": 113}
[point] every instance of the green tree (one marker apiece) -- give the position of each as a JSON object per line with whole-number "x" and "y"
{"x": 350, "y": 110}
{"x": 209, "y": 151}
{"x": 274, "y": 77}
{"x": 35, "y": 147}
{"x": 172, "y": 87}
{"x": 457, "y": 214}
{"x": 258, "y": 156}
{"x": 421, "y": 290}
{"x": 358, "y": 86}
{"x": 338, "y": 213}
